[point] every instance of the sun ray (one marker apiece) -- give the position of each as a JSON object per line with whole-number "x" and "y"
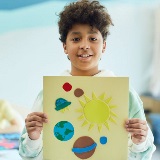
{"x": 99, "y": 127}
{"x": 81, "y": 117}
{"x": 86, "y": 98}
{"x": 113, "y": 114}
{"x": 113, "y": 106}
{"x": 84, "y": 123}
{"x": 112, "y": 120}
{"x": 94, "y": 96}
{"x": 79, "y": 110}
{"x": 108, "y": 100}
{"x": 82, "y": 103}
{"x": 102, "y": 96}
{"x": 91, "y": 126}
{"x": 107, "y": 125}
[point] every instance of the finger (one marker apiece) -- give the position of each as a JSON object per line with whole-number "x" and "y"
{"x": 136, "y": 120}
{"x": 32, "y": 129}
{"x": 40, "y": 114}
{"x": 34, "y": 124}
{"x": 137, "y": 126}
{"x": 36, "y": 118}
{"x": 137, "y": 131}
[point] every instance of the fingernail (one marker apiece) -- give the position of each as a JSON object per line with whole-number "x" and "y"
{"x": 45, "y": 115}
{"x": 127, "y": 122}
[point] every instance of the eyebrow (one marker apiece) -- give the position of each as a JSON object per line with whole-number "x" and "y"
{"x": 78, "y": 33}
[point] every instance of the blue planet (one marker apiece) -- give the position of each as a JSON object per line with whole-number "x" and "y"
{"x": 103, "y": 140}
{"x": 63, "y": 130}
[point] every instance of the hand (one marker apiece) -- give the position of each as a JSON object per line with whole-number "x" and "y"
{"x": 34, "y": 124}
{"x": 138, "y": 130}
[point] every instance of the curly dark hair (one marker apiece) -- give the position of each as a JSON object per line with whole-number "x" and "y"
{"x": 84, "y": 12}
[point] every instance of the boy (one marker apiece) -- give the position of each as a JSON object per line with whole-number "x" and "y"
{"x": 83, "y": 28}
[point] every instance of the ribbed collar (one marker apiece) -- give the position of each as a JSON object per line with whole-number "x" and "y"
{"x": 102, "y": 73}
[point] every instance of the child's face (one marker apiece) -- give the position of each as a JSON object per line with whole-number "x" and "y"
{"x": 84, "y": 46}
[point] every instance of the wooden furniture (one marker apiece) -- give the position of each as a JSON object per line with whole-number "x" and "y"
{"x": 151, "y": 104}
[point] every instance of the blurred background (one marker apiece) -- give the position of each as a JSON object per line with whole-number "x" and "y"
{"x": 30, "y": 49}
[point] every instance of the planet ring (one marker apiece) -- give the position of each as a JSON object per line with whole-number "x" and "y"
{"x": 85, "y": 149}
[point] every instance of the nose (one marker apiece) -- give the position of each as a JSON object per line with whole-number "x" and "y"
{"x": 84, "y": 45}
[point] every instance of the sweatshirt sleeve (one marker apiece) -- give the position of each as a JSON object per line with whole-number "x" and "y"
{"x": 32, "y": 149}
{"x": 144, "y": 150}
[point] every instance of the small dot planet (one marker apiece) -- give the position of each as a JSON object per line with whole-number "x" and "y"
{"x": 103, "y": 140}
{"x": 67, "y": 86}
{"x": 78, "y": 92}
{"x": 84, "y": 147}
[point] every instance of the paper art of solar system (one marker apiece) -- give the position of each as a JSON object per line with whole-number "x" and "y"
{"x": 86, "y": 118}
{"x": 94, "y": 111}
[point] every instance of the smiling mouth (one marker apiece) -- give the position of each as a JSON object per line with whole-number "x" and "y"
{"x": 85, "y": 55}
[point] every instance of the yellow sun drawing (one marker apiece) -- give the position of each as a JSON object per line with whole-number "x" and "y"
{"x": 97, "y": 111}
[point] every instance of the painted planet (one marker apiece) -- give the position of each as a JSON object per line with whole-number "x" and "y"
{"x": 84, "y": 147}
{"x": 103, "y": 140}
{"x": 61, "y": 103}
{"x": 67, "y": 87}
{"x": 78, "y": 92}
{"x": 63, "y": 130}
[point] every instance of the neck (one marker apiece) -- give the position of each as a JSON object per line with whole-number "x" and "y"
{"x": 84, "y": 73}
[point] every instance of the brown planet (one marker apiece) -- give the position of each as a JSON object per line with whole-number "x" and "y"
{"x": 84, "y": 147}
{"x": 78, "y": 92}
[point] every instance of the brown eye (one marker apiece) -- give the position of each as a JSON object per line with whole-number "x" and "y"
{"x": 75, "y": 39}
{"x": 93, "y": 39}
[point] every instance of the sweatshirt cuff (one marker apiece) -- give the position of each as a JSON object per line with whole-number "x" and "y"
{"x": 138, "y": 147}
{"x": 33, "y": 144}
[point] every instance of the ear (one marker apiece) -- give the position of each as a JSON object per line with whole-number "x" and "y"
{"x": 65, "y": 48}
{"x": 104, "y": 47}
